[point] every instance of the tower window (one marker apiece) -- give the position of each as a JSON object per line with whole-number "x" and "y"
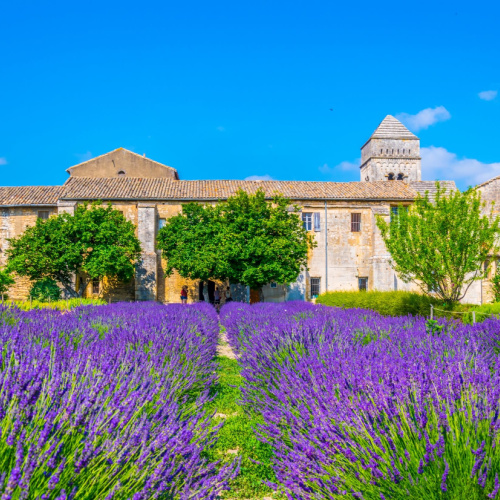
{"x": 393, "y": 151}
{"x": 398, "y": 151}
{"x": 386, "y": 151}
{"x": 121, "y": 173}
{"x": 381, "y": 151}
{"x": 390, "y": 177}
{"x": 409, "y": 151}
{"x": 401, "y": 177}
{"x": 403, "y": 151}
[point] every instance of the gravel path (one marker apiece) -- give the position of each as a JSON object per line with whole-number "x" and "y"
{"x": 224, "y": 349}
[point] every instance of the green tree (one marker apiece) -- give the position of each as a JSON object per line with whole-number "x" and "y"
{"x": 94, "y": 243}
{"x": 245, "y": 239}
{"x": 5, "y": 281}
{"x": 441, "y": 244}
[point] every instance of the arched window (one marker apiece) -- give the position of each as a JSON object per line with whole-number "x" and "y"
{"x": 401, "y": 177}
{"x": 121, "y": 173}
{"x": 390, "y": 177}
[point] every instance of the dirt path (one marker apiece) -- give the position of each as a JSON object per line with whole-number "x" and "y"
{"x": 224, "y": 349}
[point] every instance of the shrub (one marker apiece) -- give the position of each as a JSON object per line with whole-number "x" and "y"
{"x": 386, "y": 303}
{"x": 45, "y": 289}
{"x": 5, "y": 281}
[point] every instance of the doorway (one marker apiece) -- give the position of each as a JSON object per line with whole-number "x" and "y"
{"x": 211, "y": 291}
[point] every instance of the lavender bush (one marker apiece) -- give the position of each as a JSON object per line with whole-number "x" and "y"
{"x": 359, "y": 405}
{"x": 108, "y": 402}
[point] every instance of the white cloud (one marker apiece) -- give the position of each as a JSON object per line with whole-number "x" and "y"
{"x": 487, "y": 95}
{"x": 3, "y": 161}
{"x": 221, "y": 129}
{"x": 345, "y": 166}
{"x": 425, "y": 118}
{"x": 439, "y": 163}
{"x": 259, "y": 178}
{"x": 84, "y": 157}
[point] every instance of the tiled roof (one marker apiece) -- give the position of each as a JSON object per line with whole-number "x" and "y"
{"x": 422, "y": 187}
{"x": 30, "y": 195}
{"x": 82, "y": 188}
{"x": 391, "y": 128}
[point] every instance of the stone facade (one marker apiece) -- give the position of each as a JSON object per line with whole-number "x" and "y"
{"x": 350, "y": 253}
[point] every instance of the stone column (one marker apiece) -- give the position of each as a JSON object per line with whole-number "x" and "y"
{"x": 147, "y": 268}
{"x": 383, "y": 275}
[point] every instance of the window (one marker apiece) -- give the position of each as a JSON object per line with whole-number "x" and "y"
{"x": 409, "y": 151}
{"x": 307, "y": 220}
{"x": 390, "y": 177}
{"x": 121, "y": 173}
{"x": 355, "y": 223}
{"x": 403, "y": 151}
{"x": 315, "y": 286}
{"x": 161, "y": 223}
{"x": 317, "y": 221}
{"x": 381, "y": 151}
{"x": 274, "y": 284}
{"x": 43, "y": 214}
{"x": 394, "y": 212}
{"x": 401, "y": 177}
{"x": 363, "y": 284}
{"x": 386, "y": 151}
{"x": 96, "y": 287}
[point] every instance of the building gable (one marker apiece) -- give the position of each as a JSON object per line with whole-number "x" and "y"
{"x": 122, "y": 163}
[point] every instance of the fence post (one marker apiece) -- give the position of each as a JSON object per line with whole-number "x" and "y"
{"x": 432, "y": 311}
{"x": 473, "y": 317}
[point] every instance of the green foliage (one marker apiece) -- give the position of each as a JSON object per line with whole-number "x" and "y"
{"x": 5, "y": 281}
{"x": 45, "y": 289}
{"x": 441, "y": 245}
{"x": 482, "y": 312}
{"x": 386, "y": 303}
{"x": 95, "y": 242}
{"x": 245, "y": 240}
{"x": 60, "y": 305}
{"x": 237, "y": 435}
{"x": 495, "y": 284}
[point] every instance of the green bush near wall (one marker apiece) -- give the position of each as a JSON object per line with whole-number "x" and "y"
{"x": 403, "y": 303}
{"x": 386, "y": 303}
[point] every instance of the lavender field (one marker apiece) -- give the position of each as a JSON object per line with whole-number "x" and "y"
{"x": 358, "y": 405}
{"x": 131, "y": 401}
{"x": 108, "y": 402}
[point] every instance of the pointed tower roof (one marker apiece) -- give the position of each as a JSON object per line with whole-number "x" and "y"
{"x": 391, "y": 128}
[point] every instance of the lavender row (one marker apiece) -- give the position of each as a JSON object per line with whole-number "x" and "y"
{"x": 364, "y": 406}
{"x": 108, "y": 402}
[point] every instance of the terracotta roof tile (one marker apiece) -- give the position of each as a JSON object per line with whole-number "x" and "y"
{"x": 82, "y": 188}
{"x": 30, "y": 195}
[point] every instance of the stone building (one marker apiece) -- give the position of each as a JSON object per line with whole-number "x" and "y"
{"x": 350, "y": 253}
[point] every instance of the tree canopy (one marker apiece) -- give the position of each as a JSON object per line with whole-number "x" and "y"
{"x": 94, "y": 243}
{"x": 441, "y": 244}
{"x": 245, "y": 239}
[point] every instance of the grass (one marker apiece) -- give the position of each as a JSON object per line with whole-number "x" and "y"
{"x": 236, "y": 437}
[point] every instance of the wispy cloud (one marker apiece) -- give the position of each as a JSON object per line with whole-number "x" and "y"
{"x": 345, "y": 166}
{"x": 259, "y": 178}
{"x": 488, "y": 95}
{"x": 84, "y": 156}
{"x": 221, "y": 129}
{"x": 425, "y": 118}
{"x": 3, "y": 161}
{"x": 439, "y": 163}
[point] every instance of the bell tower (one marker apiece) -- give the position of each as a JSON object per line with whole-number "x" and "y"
{"x": 391, "y": 153}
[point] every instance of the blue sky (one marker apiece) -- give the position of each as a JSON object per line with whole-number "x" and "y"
{"x": 238, "y": 89}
